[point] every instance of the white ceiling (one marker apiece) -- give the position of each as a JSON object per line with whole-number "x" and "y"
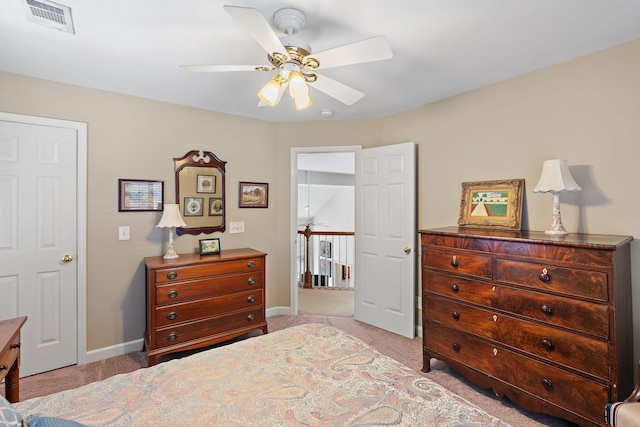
{"x": 441, "y": 48}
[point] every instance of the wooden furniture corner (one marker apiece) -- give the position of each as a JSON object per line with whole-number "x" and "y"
{"x": 10, "y": 356}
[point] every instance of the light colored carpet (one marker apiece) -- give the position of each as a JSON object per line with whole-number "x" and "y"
{"x": 326, "y": 302}
{"x": 405, "y": 350}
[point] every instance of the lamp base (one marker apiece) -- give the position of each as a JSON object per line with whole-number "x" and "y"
{"x": 556, "y": 227}
{"x": 556, "y": 232}
{"x": 171, "y": 252}
{"x": 171, "y": 256}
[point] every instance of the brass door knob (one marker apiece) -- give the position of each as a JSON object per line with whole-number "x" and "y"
{"x": 407, "y": 250}
{"x": 67, "y": 258}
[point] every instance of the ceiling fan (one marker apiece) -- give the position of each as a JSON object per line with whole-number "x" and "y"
{"x": 292, "y": 59}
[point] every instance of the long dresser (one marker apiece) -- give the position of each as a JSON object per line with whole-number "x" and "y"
{"x": 544, "y": 320}
{"x": 196, "y": 301}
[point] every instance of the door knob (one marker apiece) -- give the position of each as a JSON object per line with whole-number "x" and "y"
{"x": 67, "y": 258}
{"x": 407, "y": 250}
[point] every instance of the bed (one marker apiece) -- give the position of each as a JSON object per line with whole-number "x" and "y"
{"x": 314, "y": 375}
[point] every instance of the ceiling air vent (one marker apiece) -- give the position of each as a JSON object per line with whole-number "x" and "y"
{"x": 49, "y": 14}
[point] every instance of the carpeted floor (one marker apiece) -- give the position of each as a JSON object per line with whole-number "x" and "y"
{"x": 326, "y": 302}
{"x": 403, "y": 349}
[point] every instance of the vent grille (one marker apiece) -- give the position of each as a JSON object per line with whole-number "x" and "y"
{"x": 49, "y": 14}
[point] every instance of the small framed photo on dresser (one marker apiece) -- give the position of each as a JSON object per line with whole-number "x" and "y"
{"x": 209, "y": 246}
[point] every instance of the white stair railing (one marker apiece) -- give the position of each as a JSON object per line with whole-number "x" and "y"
{"x": 325, "y": 259}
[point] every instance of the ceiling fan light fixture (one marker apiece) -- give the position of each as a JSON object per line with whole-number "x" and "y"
{"x": 271, "y": 93}
{"x": 299, "y": 90}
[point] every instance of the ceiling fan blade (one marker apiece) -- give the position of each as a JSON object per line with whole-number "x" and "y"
{"x": 343, "y": 93}
{"x": 374, "y": 49}
{"x": 253, "y": 22}
{"x": 220, "y": 68}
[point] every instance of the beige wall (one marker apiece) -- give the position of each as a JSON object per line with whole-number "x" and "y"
{"x": 585, "y": 111}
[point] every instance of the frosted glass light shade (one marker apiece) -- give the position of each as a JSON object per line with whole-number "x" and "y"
{"x": 299, "y": 90}
{"x": 271, "y": 93}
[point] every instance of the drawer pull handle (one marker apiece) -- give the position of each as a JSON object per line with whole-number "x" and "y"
{"x": 544, "y": 276}
{"x": 172, "y": 293}
{"x": 455, "y": 288}
{"x": 546, "y": 383}
{"x": 251, "y": 298}
{"x": 251, "y": 264}
{"x": 172, "y": 315}
{"x": 16, "y": 345}
{"x": 251, "y": 318}
{"x": 3, "y": 367}
{"x": 172, "y": 336}
{"x": 455, "y": 315}
{"x": 456, "y": 347}
{"x": 454, "y": 262}
{"x": 172, "y": 275}
{"x": 251, "y": 281}
{"x": 546, "y": 309}
{"x": 547, "y": 344}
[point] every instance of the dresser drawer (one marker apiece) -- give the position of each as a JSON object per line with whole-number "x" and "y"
{"x": 184, "y": 312}
{"x": 569, "y": 313}
{"x": 561, "y": 388}
{"x": 164, "y": 275}
{"x": 575, "y": 351}
{"x": 173, "y": 293}
{"x": 458, "y": 262}
{"x": 206, "y": 329}
{"x": 569, "y": 281}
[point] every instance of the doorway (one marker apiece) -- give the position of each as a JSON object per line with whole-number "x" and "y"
{"x": 322, "y": 177}
{"x": 385, "y": 235}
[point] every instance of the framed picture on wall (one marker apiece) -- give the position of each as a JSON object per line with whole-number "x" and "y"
{"x": 140, "y": 195}
{"x": 253, "y": 195}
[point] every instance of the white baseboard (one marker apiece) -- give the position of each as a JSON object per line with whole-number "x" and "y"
{"x": 278, "y": 311}
{"x": 114, "y": 350}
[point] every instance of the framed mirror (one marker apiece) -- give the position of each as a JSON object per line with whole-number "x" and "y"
{"x": 200, "y": 192}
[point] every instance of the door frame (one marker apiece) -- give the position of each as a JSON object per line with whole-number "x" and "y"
{"x": 293, "y": 214}
{"x": 81, "y": 212}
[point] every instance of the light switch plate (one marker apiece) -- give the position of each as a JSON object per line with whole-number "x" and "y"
{"x": 123, "y": 232}
{"x": 236, "y": 227}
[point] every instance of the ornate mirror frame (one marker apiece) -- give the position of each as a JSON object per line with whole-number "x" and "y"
{"x": 200, "y": 192}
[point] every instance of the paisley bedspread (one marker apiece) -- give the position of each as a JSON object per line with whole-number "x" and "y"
{"x": 311, "y": 375}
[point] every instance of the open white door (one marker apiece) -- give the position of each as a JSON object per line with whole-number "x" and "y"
{"x": 385, "y": 229}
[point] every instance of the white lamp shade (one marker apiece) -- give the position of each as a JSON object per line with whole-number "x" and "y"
{"x": 556, "y": 178}
{"x": 171, "y": 217}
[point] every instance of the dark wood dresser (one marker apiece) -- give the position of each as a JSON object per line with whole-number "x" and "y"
{"x": 196, "y": 301}
{"x": 544, "y": 320}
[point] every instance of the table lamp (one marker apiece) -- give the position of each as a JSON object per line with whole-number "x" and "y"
{"x": 171, "y": 218}
{"x": 556, "y": 178}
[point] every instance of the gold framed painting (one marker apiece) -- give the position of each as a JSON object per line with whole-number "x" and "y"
{"x": 492, "y": 204}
